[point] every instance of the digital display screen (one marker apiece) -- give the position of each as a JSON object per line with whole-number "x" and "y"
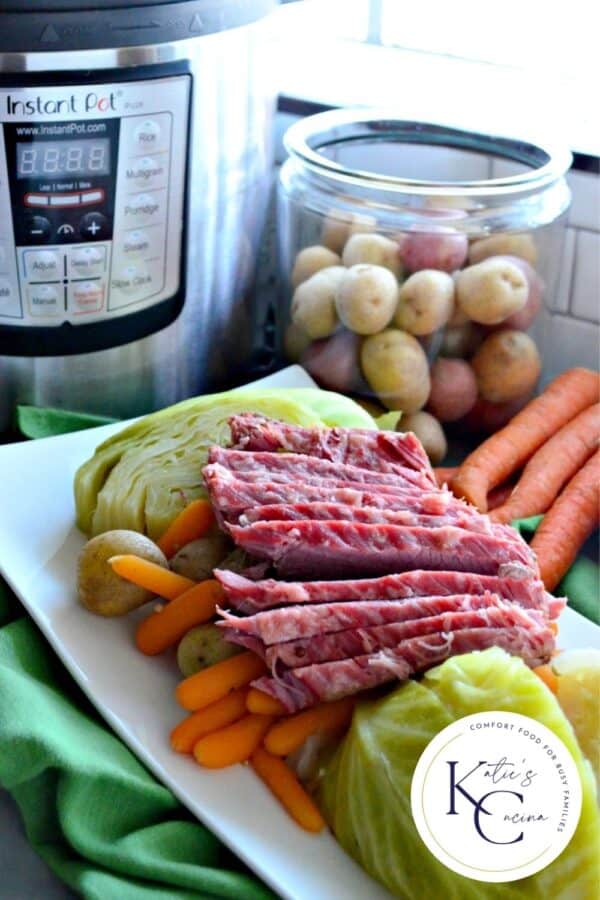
{"x": 60, "y": 159}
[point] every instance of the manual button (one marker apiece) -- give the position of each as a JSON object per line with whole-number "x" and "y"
{"x": 43, "y": 265}
{"x": 43, "y": 300}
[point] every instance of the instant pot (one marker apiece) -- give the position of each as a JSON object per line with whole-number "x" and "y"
{"x": 135, "y": 141}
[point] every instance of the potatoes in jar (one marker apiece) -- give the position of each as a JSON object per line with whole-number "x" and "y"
{"x": 396, "y": 368}
{"x": 491, "y": 291}
{"x": 521, "y": 245}
{"x": 366, "y": 298}
{"x": 311, "y": 260}
{"x": 338, "y": 226}
{"x": 507, "y": 365}
{"x": 437, "y": 248}
{"x": 461, "y": 341}
{"x": 100, "y": 589}
{"x": 313, "y": 303}
{"x": 333, "y": 362}
{"x": 430, "y": 433}
{"x": 425, "y": 302}
{"x": 375, "y": 249}
{"x": 525, "y": 316}
{"x": 453, "y": 389}
{"x": 197, "y": 559}
{"x": 295, "y": 342}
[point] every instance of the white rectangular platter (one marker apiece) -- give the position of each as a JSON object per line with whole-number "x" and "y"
{"x": 39, "y": 544}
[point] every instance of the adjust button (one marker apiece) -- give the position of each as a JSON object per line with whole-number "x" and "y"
{"x": 43, "y": 265}
{"x": 43, "y": 300}
{"x": 93, "y": 226}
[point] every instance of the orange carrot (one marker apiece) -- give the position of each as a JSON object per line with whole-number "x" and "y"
{"x": 444, "y": 474}
{"x": 165, "y": 628}
{"x": 234, "y": 744}
{"x": 211, "y": 684}
{"x": 552, "y": 466}
{"x": 259, "y": 702}
{"x": 499, "y": 495}
{"x": 548, "y": 676}
{"x": 568, "y": 523}
{"x": 280, "y": 779}
{"x": 212, "y": 718}
{"x": 192, "y": 523}
{"x": 287, "y": 735}
{"x": 494, "y": 460}
{"x": 149, "y": 575}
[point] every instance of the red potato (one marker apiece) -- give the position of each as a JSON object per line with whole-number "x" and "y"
{"x": 507, "y": 365}
{"x": 490, "y": 417}
{"x": 436, "y": 248}
{"x": 333, "y": 363}
{"x": 453, "y": 389}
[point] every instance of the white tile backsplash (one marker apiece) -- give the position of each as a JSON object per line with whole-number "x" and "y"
{"x": 570, "y": 342}
{"x": 585, "y": 296}
{"x": 585, "y": 200}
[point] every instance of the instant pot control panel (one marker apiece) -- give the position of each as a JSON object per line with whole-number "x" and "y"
{"x": 92, "y": 184}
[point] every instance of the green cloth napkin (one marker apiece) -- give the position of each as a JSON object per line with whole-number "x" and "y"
{"x": 41, "y": 422}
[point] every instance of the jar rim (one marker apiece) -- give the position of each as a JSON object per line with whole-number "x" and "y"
{"x": 305, "y": 139}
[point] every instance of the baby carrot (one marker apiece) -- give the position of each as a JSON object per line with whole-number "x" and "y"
{"x": 506, "y": 451}
{"x": 149, "y": 575}
{"x": 548, "y": 676}
{"x": 287, "y": 735}
{"x": 212, "y": 718}
{"x": 192, "y": 523}
{"x": 165, "y": 628}
{"x": 280, "y": 779}
{"x": 568, "y": 523}
{"x": 552, "y": 466}
{"x": 234, "y": 744}
{"x": 211, "y": 684}
{"x": 259, "y": 702}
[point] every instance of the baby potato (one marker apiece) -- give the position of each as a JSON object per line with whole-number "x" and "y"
{"x": 491, "y": 291}
{"x": 375, "y": 249}
{"x": 333, "y": 362}
{"x": 430, "y": 433}
{"x": 366, "y": 298}
{"x": 453, "y": 389}
{"x": 395, "y": 366}
{"x": 338, "y": 226}
{"x": 507, "y": 365}
{"x": 461, "y": 340}
{"x": 425, "y": 302}
{"x": 201, "y": 647}
{"x": 522, "y": 319}
{"x": 197, "y": 559}
{"x": 313, "y": 304}
{"x": 521, "y": 245}
{"x": 311, "y": 260}
{"x": 295, "y": 342}
{"x": 100, "y": 589}
{"x": 437, "y": 248}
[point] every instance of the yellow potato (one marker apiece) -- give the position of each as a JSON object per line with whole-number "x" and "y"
{"x": 311, "y": 260}
{"x": 197, "y": 559}
{"x": 366, "y": 298}
{"x": 491, "y": 291}
{"x": 430, "y": 433}
{"x": 100, "y": 589}
{"x": 522, "y": 245}
{"x": 425, "y": 302}
{"x": 338, "y": 226}
{"x": 375, "y": 249}
{"x": 507, "y": 365}
{"x": 313, "y": 303}
{"x": 395, "y": 366}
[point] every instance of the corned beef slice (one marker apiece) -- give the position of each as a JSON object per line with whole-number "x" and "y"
{"x": 319, "y": 682}
{"x": 293, "y": 467}
{"x": 378, "y": 451}
{"x": 345, "y": 549}
{"x": 255, "y": 596}
{"x": 290, "y": 623}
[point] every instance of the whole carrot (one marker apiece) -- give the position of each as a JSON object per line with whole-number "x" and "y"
{"x": 552, "y": 466}
{"x": 568, "y": 523}
{"x": 496, "y": 497}
{"x": 165, "y": 628}
{"x": 280, "y": 779}
{"x": 192, "y": 523}
{"x": 505, "y": 452}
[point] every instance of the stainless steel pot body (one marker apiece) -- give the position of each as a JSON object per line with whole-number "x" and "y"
{"x": 217, "y": 338}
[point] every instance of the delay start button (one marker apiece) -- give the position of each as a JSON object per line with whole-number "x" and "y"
{"x": 87, "y": 261}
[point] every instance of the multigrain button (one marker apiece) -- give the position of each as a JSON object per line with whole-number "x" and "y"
{"x": 43, "y": 299}
{"x": 43, "y": 265}
{"x": 87, "y": 261}
{"x": 147, "y": 171}
{"x": 147, "y": 135}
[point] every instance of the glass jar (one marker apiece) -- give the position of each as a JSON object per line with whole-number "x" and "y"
{"x": 417, "y": 262}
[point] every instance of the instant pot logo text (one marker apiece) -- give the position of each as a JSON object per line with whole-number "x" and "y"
{"x": 74, "y": 104}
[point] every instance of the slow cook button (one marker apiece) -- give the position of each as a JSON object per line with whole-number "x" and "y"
{"x": 86, "y": 296}
{"x": 133, "y": 281}
{"x": 147, "y": 171}
{"x": 43, "y": 265}
{"x": 87, "y": 261}
{"x": 43, "y": 300}
{"x": 144, "y": 208}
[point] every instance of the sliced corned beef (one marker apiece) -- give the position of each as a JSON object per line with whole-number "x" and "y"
{"x": 289, "y": 623}
{"x": 231, "y": 496}
{"x": 299, "y": 688}
{"x": 378, "y": 451}
{"x": 511, "y": 583}
{"x": 345, "y": 549}
{"x": 292, "y": 467}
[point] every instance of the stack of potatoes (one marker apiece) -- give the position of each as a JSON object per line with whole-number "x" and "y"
{"x": 425, "y": 322}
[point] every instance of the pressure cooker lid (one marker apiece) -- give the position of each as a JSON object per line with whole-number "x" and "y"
{"x": 51, "y": 25}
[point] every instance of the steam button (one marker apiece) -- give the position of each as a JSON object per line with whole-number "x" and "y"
{"x": 136, "y": 243}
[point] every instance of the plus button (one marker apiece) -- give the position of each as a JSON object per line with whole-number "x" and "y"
{"x": 93, "y": 226}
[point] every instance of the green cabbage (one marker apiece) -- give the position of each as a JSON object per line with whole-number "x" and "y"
{"x": 143, "y": 476}
{"x": 365, "y": 787}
